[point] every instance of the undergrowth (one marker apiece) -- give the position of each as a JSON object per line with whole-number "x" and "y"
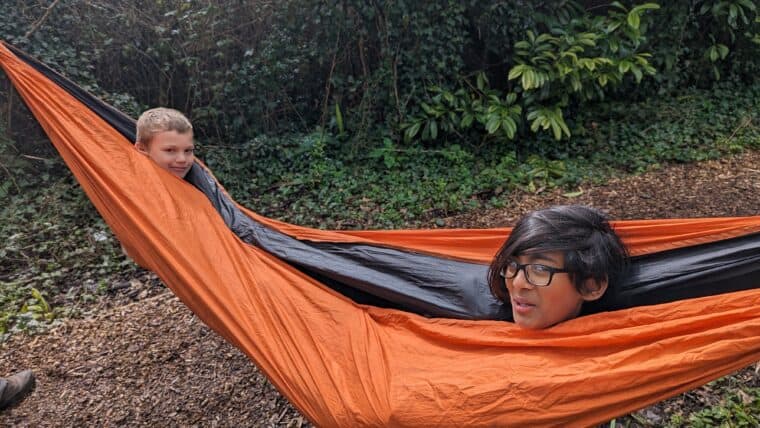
{"x": 316, "y": 180}
{"x": 737, "y": 409}
{"x": 58, "y": 256}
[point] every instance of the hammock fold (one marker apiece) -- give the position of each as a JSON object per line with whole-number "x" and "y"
{"x": 346, "y": 364}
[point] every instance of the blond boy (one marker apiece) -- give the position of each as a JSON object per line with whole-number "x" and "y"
{"x": 166, "y": 136}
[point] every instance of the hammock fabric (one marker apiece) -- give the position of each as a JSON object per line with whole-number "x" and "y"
{"x": 342, "y": 363}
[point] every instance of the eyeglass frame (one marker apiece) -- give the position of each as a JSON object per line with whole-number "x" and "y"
{"x": 522, "y": 266}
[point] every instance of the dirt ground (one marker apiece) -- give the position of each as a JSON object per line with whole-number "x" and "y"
{"x": 146, "y": 360}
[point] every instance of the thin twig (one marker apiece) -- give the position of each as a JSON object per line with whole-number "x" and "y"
{"x": 35, "y": 158}
{"x": 39, "y": 22}
{"x": 293, "y": 107}
{"x": 738, "y": 128}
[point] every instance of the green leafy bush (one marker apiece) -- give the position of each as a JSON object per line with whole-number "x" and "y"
{"x": 368, "y": 71}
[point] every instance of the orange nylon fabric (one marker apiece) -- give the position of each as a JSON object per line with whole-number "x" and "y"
{"x": 344, "y": 364}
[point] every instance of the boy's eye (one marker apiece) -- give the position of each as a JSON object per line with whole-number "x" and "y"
{"x": 540, "y": 269}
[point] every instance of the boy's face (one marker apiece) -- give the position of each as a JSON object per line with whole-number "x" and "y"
{"x": 537, "y": 307}
{"x": 171, "y": 150}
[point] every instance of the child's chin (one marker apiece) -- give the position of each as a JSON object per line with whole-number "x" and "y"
{"x": 528, "y": 324}
{"x": 179, "y": 173}
{"x": 523, "y": 323}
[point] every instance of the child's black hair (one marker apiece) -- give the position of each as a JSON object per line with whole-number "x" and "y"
{"x": 591, "y": 247}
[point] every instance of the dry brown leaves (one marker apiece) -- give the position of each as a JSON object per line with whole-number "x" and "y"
{"x": 148, "y": 363}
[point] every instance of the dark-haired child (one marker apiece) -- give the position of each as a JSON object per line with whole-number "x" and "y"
{"x": 555, "y": 261}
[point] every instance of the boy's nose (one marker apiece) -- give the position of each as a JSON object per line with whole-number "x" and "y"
{"x": 520, "y": 280}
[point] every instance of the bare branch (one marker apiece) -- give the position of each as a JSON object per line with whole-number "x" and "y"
{"x": 39, "y": 22}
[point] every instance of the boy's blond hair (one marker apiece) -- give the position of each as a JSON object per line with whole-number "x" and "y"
{"x": 161, "y": 119}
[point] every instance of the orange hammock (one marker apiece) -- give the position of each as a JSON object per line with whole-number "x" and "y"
{"x": 345, "y": 364}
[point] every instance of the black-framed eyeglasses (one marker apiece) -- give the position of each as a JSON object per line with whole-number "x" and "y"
{"x": 535, "y": 273}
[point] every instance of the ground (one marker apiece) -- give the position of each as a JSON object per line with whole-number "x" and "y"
{"x": 146, "y": 360}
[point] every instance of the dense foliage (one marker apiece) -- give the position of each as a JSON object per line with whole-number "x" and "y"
{"x": 442, "y": 71}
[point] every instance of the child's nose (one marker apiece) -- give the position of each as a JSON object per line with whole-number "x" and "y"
{"x": 520, "y": 280}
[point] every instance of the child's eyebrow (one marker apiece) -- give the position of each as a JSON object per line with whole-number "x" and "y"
{"x": 538, "y": 257}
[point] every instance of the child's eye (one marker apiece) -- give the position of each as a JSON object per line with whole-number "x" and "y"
{"x": 541, "y": 269}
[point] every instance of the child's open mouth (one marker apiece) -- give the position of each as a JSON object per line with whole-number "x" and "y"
{"x": 522, "y": 306}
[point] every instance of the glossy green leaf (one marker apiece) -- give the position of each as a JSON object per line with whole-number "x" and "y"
{"x": 634, "y": 20}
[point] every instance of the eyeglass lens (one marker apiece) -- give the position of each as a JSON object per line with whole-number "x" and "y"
{"x": 536, "y": 274}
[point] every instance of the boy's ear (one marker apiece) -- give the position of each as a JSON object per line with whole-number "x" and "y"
{"x": 141, "y": 147}
{"x": 593, "y": 289}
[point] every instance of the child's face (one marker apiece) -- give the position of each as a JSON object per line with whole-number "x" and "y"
{"x": 171, "y": 150}
{"x": 537, "y": 307}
